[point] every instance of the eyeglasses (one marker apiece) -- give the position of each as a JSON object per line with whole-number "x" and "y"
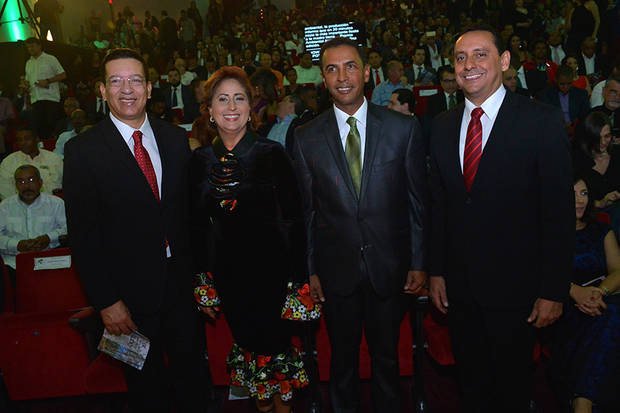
{"x": 133, "y": 81}
{"x": 21, "y": 181}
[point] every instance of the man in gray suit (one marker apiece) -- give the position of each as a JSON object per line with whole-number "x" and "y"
{"x": 362, "y": 175}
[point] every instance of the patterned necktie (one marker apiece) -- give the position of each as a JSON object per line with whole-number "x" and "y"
{"x": 353, "y": 154}
{"x": 473, "y": 148}
{"x": 175, "y": 101}
{"x": 417, "y": 78}
{"x": 452, "y": 101}
{"x": 378, "y": 79}
{"x": 144, "y": 161}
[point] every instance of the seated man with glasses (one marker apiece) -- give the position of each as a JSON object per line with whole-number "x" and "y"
{"x": 30, "y": 220}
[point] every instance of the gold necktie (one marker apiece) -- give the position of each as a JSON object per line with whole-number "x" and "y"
{"x": 353, "y": 154}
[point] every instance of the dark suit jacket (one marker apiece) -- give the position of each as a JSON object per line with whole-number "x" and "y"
{"x": 185, "y": 92}
{"x": 437, "y": 103}
{"x": 117, "y": 228}
{"x": 511, "y": 239}
{"x": 385, "y": 226}
{"x": 581, "y": 65}
{"x": 91, "y": 110}
{"x": 578, "y": 102}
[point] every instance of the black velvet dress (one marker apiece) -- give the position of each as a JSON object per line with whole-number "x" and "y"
{"x": 256, "y": 246}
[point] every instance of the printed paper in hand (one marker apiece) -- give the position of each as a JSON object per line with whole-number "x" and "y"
{"x": 131, "y": 349}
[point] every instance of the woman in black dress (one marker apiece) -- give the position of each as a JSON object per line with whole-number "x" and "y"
{"x": 249, "y": 235}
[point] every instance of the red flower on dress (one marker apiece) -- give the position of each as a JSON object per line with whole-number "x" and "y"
{"x": 304, "y": 290}
{"x": 261, "y": 389}
{"x": 285, "y": 387}
{"x": 279, "y": 375}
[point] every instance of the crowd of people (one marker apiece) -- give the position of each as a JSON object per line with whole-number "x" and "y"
{"x": 333, "y": 172}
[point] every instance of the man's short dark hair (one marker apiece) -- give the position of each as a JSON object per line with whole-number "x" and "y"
{"x": 496, "y": 40}
{"x": 122, "y": 53}
{"x": 340, "y": 41}
{"x": 406, "y": 96}
{"x": 26, "y": 128}
{"x": 27, "y": 167}
{"x": 174, "y": 69}
{"x": 299, "y": 104}
{"x": 564, "y": 71}
{"x": 444, "y": 69}
{"x": 33, "y": 40}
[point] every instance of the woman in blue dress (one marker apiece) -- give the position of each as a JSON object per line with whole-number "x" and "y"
{"x": 587, "y": 351}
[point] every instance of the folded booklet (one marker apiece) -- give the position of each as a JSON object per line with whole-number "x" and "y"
{"x": 128, "y": 348}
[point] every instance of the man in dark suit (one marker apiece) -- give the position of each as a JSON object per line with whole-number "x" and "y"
{"x": 377, "y": 73}
{"x": 502, "y": 232}
{"x": 126, "y": 194}
{"x": 419, "y": 74}
{"x": 97, "y": 109}
{"x": 361, "y": 170}
{"x": 177, "y": 95}
{"x": 572, "y": 100}
{"x": 509, "y": 79}
{"x": 448, "y": 98}
{"x": 589, "y": 63}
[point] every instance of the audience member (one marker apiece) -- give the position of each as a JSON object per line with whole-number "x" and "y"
{"x": 419, "y": 74}
{"x": 579, "y": 25}
{"x": 29, "y": 220}
{"x": 611, "y": 102}
{"x": 97, "y": 108}
{"x": 396, "y": 80}
{"x": 43, "y": 74}
{"x": 79, "y": 119}
{"x": 539, "y": 71}
{"x": 448, "y": 98}
{"x": 584, "y": 357}
{"x": 589, "y": 63}
{"x": 186, "y": 75}
{"x": 62, "y": 125}
{"x": 377, "y": 73}
{"x": 556, "y": 50}
{"x": 596, "y": 99}
{"x": 598, "y": 162}
{"x": 265, "y": 63}
{"x": 579, "y": 81}
{"x": 289, "y": 108}
{"x": 402, "y": 101}
{"x": 48, "y": 163}
{"x": 308, "y": 72}
{"x": 573, "y": 101}
{"x": 176, "y": 94}
{"x": 510, "y": 81}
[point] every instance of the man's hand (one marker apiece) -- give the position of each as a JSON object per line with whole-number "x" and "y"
{"x": 415, "y": 281}
{"x": 438, "y": 293}
{"x": 316, "y": 292}
{"x": 545, "y": 312}
{"x": 25, "y": 245}
{"x": 41, "y": 242}
{"x": 43, "y": 83}
{"x": 117, "y": 319}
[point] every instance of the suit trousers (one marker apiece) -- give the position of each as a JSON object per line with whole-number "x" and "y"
{"x": 345, "y": 316}
{"x": 493, "y": 352}
{"x": 178, "y": 331}
{"x": 46, "y": 114}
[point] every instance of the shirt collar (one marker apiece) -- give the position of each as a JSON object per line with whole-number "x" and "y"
{"x": 490, "y": 106}
{"x": 36, "y": 202}
{"x": 360, "y": 116}
{"x": 586, "y": 58}
{"x": 127, "y": 131}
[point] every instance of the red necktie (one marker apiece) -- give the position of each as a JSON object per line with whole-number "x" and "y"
{"x": 473, "y": 148}
{"x": 378, "y": 79}
{"x": 144, "y": 161}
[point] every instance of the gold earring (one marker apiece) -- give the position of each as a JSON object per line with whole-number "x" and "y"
{"x": 249, "y": 119}
{"x": 211, "y": 119}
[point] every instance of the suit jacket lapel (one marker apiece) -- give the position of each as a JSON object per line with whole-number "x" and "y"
{"x": 332, "y": 136}
{"x": 119, "y": 148}
{"x": 373, "y": 131}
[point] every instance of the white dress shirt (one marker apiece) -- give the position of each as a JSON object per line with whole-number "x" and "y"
{"x": 101, "y": 103}
{"x": 343, "y": 126}
{"x": 178, "y": 90}
{"x": 309, "y": 75}
{"x": 490, "y": 107}
{"x": 148, "y": 141}
{"x": 373, "y": 75}
{"x": 20, "y": 221}
{"x": 589, "y": 63}
{"x": 43, "y": 67}
{"x": 521, "y": 76}
{"x": 63, "y": 138}
{"x": 48, "y": 163}
{"x": 596, "y": 99}
{"x": 557, "y": 54}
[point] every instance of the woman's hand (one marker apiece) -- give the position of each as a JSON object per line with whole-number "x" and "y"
{"x": 609, "y": 199}
{"x": 588, "y": 300}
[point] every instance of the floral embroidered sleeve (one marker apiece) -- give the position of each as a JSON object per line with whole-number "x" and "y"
{"x": 204, "y": 290}
{"x": 298, "y": 305}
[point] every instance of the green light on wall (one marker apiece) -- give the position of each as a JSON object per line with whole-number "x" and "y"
{"x": 12, "y": 28}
